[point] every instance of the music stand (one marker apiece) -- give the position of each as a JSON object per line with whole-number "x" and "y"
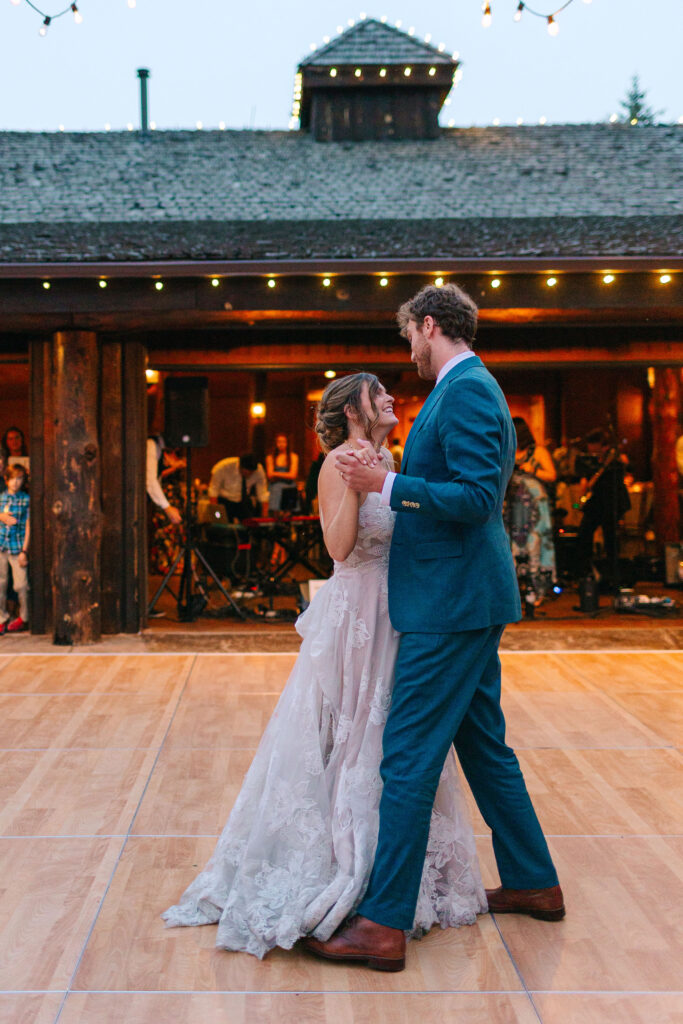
{"x": 190, "y": 605}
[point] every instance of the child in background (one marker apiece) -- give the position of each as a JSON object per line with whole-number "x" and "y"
{"x": 14, "y": 539}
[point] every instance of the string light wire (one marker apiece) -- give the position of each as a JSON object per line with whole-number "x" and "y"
{"x": 523, "y": 7}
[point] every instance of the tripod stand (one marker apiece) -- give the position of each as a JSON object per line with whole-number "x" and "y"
{"x": 190, "y": 605}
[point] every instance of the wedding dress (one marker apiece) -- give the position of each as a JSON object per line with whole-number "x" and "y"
{"x": 296, "y": 853}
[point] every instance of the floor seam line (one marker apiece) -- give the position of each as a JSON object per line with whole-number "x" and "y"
{"x": 517, "y": 970}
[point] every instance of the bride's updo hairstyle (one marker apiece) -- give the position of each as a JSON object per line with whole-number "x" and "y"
{"x": 331, "y": 423}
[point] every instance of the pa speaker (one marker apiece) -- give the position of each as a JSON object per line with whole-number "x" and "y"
{"x": 186, "y": 412}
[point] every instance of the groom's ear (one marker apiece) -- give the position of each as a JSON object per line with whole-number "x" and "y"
{"x": 428, "y": 325}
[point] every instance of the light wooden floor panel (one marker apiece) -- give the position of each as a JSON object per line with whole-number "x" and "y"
{"x": 25, "y": 1008}
{"x": 117, "y": 771}
{"x": 322, "y": 1008}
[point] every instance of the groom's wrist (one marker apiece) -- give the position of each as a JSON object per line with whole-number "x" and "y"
{"x": 387, "y": 486}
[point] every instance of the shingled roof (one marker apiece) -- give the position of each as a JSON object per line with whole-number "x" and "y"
{"x": 375, "y": 42}
{"x": 603, "y": 190}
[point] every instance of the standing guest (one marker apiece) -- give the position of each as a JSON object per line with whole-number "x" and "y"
{"x": 14, "y": 541}
{"x": 282, "y": 470}
{"x": 14, "y": 448}
{"x": 528, "y": 513}
{"x": 155, "y": 449}
{"x": 166, "y": 539}
{"x": 234, "y": 480}
{"x": 396, "y": 449}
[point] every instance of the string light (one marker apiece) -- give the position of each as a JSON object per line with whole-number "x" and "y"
{"x": 159, "y": 285}
{"x": 72, "y": 8}
{"x": 495, "y": 283}
{"x": 102, "y": 283}
{"x": 551, "y": 282}
{"x": 271, "y": 282}
{"x": 78, "y": 17}
{"x": 407, "y": 72}
{"x": 522, "y": 7}
{"x": 215, "y": 282}
{"x": 438, "y": 282}
{"x": 330, "y": 374}
{"x": 46, "y": 285}
{"x": 665, "y": 278}
{"x": 42, "y": 31}
{"x": 608, "y": 279}
{"x": 132, "y": 4}
{"x": 382, "y": 72}
{"x": 326, "y": 282}
{"x": 384, "y": 281}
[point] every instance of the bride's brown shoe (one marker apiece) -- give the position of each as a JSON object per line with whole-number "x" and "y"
{"x": 362, "y": 941}
{"x": 544, "y": 904}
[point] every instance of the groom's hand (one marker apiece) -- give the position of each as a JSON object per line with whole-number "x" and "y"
{"x": 361, "y": 469}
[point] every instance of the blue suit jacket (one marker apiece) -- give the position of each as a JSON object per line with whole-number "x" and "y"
{"x": 450, "y": 566}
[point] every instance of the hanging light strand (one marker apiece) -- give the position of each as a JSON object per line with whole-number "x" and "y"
{"x": 523, "y": 8}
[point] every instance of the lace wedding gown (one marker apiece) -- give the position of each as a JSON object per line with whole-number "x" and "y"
{"x": 296, "y": 853}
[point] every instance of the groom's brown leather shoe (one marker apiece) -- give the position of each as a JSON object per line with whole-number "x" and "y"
{"x": 361, "y": 941}
{"x": 544, "y": 904}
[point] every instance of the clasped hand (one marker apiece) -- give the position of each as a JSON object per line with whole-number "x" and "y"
{"x": 361, "y": 468}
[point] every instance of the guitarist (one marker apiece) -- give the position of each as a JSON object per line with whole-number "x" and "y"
{"x": 605, "y": 500}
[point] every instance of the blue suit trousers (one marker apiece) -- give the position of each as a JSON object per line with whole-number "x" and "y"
{"x": 447, "y": 691}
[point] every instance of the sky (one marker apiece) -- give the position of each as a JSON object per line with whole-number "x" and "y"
{"x": 218, "y": 61}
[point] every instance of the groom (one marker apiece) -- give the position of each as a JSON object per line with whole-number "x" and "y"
{"x": 452, "y": 589}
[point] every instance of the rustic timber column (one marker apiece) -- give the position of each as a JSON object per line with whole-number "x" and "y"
{"x": 665, "y": 410}
{"x": 75, "y": 512}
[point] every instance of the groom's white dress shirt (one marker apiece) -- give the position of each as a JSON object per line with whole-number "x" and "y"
{"x": 446, "y": 368}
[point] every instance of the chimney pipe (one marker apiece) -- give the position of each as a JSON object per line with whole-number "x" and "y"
{"x": 143, "y": 75}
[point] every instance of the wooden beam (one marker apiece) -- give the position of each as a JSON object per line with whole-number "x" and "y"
{"x": 292, "y": 356}
{"x": 134, "y": 534}
{"x": 41, "y": 420}
{"x": 75, "y": 512}
{"x": 112, "y": 428}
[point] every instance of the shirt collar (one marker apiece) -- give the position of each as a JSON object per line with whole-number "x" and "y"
{"x": 447, "y": 367}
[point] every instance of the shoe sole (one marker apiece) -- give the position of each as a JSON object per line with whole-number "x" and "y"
{"x": 540, "y": 915}
{"x": 375, "y": 963}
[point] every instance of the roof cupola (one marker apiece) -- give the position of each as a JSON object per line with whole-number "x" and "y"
{"x": 373, "y": 82}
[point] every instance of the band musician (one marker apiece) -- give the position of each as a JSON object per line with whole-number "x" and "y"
{"x": 605, "y": 500}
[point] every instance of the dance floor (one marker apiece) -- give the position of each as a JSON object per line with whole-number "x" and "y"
{"x": 118, "y": 770}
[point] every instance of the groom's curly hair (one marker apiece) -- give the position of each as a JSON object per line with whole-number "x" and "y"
{"x": 451, "y": 308}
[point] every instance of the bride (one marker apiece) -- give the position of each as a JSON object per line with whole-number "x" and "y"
{"x": 296, "y": 853}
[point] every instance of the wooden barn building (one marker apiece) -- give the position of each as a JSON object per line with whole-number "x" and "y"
{"x": 265, "y": 258}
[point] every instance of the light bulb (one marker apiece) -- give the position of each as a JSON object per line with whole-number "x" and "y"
{"x": 159, "y": 285}
{"x": 78, "y": 17}
{"x": 495, "y": 283}
{"x": 383, "y": 282}
{"x": 152, "y": 126}
{"x": 215, "y": 282}
{"x": 496, "y": 122}
{"x": 551, "y": 282}
{"x": 519, "y": 122}
{"x": 487, "y": 18}
{"x": 665, "y": 278}
{"x": 432, "y": 72}
{"x": 132, "y": 4}
{"x": 46, "y": 285}
{"x": 199, "y": 125}
{"x": 333, "y": 72}
{"x": 330, "y": 374}
{"x": 411, "y": 30}
{"x": 15, "y": 3}
{"x": 221, "y": 126}
{"x": 553, "y": 27}
{"x": 102, "y": 283}
{"x": 382, "y": 72}
{"x": 438, "y": 282}
{"x": 42, "y": 31}
{"x": 327, "y": 282}
{"x": 634, "y": 120}
{"x": 358, "y": 72}
{"x": 407, "y": 72}
{"x": 517, "y": 16}
{"x": 107, "y": 127}
{"x": 271, "y": 282}
{"x": 613, "y": 118}
{"x": 608, "y": 278}
{"x": 542, "y": 119}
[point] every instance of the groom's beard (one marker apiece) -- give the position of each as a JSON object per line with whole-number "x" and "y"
{"x": 423, "y": 361}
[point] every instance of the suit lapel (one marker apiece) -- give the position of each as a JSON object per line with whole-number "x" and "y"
{"x": 431, "y": 402}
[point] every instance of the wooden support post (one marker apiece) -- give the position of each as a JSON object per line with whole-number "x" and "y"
{"x": 76, "y": 514}
{"x": 42, "y": 480}
{"x": 666, "y": 410}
